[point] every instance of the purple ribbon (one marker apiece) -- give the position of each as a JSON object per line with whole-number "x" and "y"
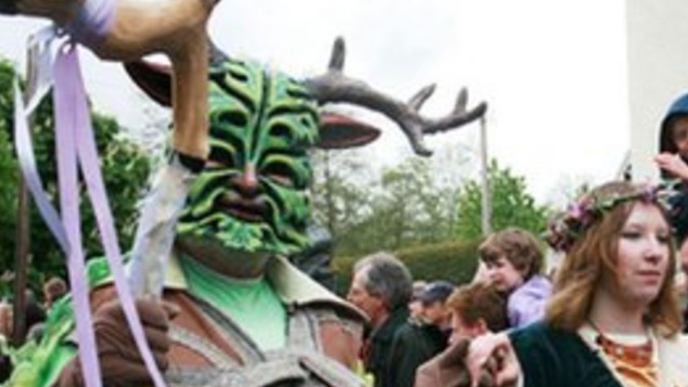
{"x": 73, "y": 114}
{"x": 76, "y": 146}
{"x": 27, "y": 163}
{"x": 67, "y": 112}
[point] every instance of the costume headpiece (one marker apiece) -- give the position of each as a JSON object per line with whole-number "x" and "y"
{"x": 565, "y": 229}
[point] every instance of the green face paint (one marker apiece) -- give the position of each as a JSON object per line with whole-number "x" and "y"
{"x": 253, "y": 194}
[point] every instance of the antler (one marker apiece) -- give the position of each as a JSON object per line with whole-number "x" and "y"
{"x": 334, "y": 86}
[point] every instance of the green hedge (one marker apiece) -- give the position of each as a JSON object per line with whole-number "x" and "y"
{"x": 451, "y": 261}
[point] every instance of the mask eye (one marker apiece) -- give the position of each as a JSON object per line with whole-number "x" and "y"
{"x": 280, "y": 174}
{"x": 282, "y": 180}
{"x": 219, "y": 158}
{"x": 213, "y": 165}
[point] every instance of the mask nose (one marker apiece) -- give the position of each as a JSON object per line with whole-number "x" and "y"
{"x": 247, "y": 183}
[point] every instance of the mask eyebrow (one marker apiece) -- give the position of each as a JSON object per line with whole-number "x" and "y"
{"x": 221, "y": 155}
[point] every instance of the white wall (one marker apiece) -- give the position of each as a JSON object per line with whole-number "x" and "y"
{"x": 657, "y": 70}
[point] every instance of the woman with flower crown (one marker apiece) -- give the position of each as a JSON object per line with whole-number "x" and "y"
{"x": 613, "y": 319}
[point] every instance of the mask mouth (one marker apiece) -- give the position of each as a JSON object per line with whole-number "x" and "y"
{"x": 248, "y": 210}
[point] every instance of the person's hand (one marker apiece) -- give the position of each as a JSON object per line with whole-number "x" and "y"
{"x": 494, "y": 353}
{"x": 673, "y": 164}
{"x": 120, "y": 361}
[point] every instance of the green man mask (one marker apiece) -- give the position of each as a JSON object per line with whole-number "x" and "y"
{"x": 253, "y": 195}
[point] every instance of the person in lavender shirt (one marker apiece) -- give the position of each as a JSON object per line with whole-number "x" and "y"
{"x": 513, "y": 261}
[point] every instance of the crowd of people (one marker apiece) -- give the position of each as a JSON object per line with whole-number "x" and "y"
{"x": 413, "y": 325}
{"x": 610, "y": 318}
{"x": 609, "y": 315}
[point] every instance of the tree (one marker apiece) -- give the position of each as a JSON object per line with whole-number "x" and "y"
{"x": 405, "y": 205}
{"x": 125, "y": 171}
{"x": 8, "y": 207}
{"x": 341, "y": 189}
{"x": 512, "y": 206}
{"x": 411, "y": 209}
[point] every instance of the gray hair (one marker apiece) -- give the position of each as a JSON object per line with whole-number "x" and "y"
{"x": 385, "y": 276}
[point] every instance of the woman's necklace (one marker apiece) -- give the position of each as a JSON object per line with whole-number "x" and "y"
{"x": 637, "y": 355}
{"x": 632, "y": 364}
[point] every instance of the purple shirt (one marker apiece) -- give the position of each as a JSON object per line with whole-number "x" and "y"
{"x": 526, "y": 304}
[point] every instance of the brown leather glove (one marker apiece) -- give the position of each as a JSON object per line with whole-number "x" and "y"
{"x": 120, "y": 362}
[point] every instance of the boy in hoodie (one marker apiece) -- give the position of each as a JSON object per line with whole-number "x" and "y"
{"x": 673, "y": 163}
{"x": 673, "y": 142}
{"x": 513, "y": 262}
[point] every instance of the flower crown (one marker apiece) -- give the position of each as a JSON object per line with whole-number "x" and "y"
{"x": 566, "y": 228}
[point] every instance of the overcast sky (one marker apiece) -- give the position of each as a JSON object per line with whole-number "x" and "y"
{"x": 552, "y": 71}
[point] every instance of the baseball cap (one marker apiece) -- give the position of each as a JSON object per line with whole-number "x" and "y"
{"x": 436, "y": 291}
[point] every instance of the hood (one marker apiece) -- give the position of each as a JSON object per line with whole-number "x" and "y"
{"x": 678, "y": 108}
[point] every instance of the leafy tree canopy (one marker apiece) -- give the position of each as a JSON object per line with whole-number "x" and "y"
{"x": 125, "y": 170}
{"x": 402, "y": 206}
{"x": 512, "y": 205}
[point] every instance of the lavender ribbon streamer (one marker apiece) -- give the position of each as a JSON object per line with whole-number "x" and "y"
{"x": 76, "y": 146}
{"x": 89, "y": 162}
{"x": 75, "y": 141}
{"x": 40, "y": 57}
{"x": 27, "y": 163}
{"x": 65, "y": 97}
{"x": 68, "y": 78}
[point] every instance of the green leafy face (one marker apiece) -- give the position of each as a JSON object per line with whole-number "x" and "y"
{"x": 253, "y": 194}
